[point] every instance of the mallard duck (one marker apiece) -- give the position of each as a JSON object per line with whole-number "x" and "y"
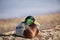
{"x": 28, "y": 28}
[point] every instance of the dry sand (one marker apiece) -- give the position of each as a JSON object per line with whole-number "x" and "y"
{"x": 49, "y": 28}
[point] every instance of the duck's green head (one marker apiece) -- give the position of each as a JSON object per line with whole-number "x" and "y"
{"x": 29, "y": 20}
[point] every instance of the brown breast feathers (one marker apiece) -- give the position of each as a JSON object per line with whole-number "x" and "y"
{"x": 31, "y": 31}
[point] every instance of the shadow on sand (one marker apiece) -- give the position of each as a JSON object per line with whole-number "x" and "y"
{"x": 13, "y": 35}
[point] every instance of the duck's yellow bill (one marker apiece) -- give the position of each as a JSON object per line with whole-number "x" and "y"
{"x": 37, "y": 23}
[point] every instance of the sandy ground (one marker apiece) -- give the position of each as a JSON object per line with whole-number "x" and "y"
{"x": 49, "y": 28}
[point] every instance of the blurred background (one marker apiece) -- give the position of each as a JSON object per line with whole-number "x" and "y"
{"x": 22, "y": 8}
